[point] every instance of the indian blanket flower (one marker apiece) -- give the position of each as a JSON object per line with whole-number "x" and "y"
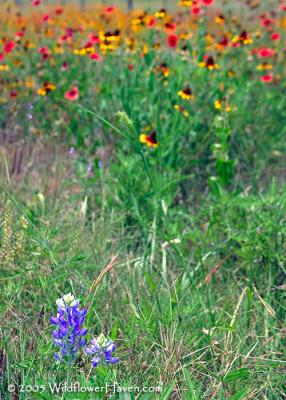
{"x": 163, "y": 70}
{"x": 186, "y": 93}
{"x": 69, "y": 333}
{"x": 9, "y": 46}
{"x": 207, "y": 3}
{"x": 95, "y": 57}
{"x": 182, "y": 110}
{"x": 266, "y": 21}
{"x": 72, "y": 94}
{"x": 161, "y": 14}
{"x": 149, "y": 140}
{"x": 102, "y": 351}
{"x": 222, "y": 105}
{"x": 267, "y": 78}
{"x": 46, "y": 18}
{"x": 209, "y": 63}
{"x": 266, "y": 52}
{"x": 46, "y": 88}
{"x": 186, "y": 3}
{"x": 196, "y": 10}
{"x": 275, "y": 36}
{"x": 172, "y": 41}
{"x": 36, "y": 3}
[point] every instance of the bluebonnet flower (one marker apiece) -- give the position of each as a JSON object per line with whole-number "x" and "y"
{"x": 69, "y": 334}
{"x": 72, "y": 151}
{"x": 30, "y": 112}
{"x": 89, "y": 169}
{"x": 102, "y": 350}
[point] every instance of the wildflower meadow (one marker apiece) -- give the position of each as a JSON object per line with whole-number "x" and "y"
{"x": 143, "y": 199}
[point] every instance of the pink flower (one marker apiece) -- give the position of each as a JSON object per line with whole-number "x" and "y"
{"x": 109, "y": 9}
{"x": 94, "y": 39}
{"x": 59, "y": 11}
{"x": 46, "y": 17}
{"x": 95, "y": 57}
{"x": 72, "y": 94}
{"x": 196, "y": 10}
{"x": 265, "y": 52}
{"x": 275, "y": 36}
{"x": 9, "y": 46}
{"x": 1, "y": 56}
{"x": 267, "y": 78}
{"x": 45, "y": 53}
{"x": 265, "y": 21}
{"x": 13, "y": 94}
{"x": 152, "y": 22}
{"x": 44, "y": 50}
{"x": 172, "y": 41}
{"x": 36, "y": 3}
{"x": 208, "y": 3}
{"x": 19, "y": 35}
{"x": 170, "y": 27}
{"x": 64, "y": 66}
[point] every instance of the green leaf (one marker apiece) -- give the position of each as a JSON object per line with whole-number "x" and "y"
{"x": 150, "y": 282}
{"x": 242, "y": 373}
{"x": 124, "y": 396}
{"x": 167, "y": 392}
{"x": 238, "y": 395}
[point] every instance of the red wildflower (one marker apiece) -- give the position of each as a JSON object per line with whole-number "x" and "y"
{"x": 94, "y": 39}
{"x": 265, "y": 21}
{"x": 43, "y": 50}
{"x": 109, "y": 9}
{"x": 224, "y": 41}
{"x": 64, "y": 66}
{"x": 1, "y": 57}
{"x": 72, "y": 94}
{"x": 130, "y": 67}
{"x": 196, "y": 10}
{"x": 13, "y": 94}
{"x": 267, "y": 78}
{"x": 19, "y": 35}
{"x": 265, "y": 52}
{"x": 275, "y": 36}
{"x": 170, "y": 27}
{"x": 58, "y": 11}
{"x": 36, "y": 3}
{"x": 172, "y": 41}
{"x": 208, "y": 3}
{"x": 149, "y": 140}
{"x": 9, "y": 46}
{"x": 95, "y": 57}
{"x": 152, "y": 22}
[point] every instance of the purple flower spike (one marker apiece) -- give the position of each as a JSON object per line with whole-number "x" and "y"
{"x": 68, "y": 333}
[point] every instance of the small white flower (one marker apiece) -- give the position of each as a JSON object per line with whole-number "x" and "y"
{"x": 173, "y": 241}
{"x": 101, "y": 340}
{"x": 69, "y": 300}
{"x": 66, "y": 300}
{"x": 60, "y": 303}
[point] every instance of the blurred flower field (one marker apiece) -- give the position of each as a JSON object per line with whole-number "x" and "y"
{"x": 142, "y": 178}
